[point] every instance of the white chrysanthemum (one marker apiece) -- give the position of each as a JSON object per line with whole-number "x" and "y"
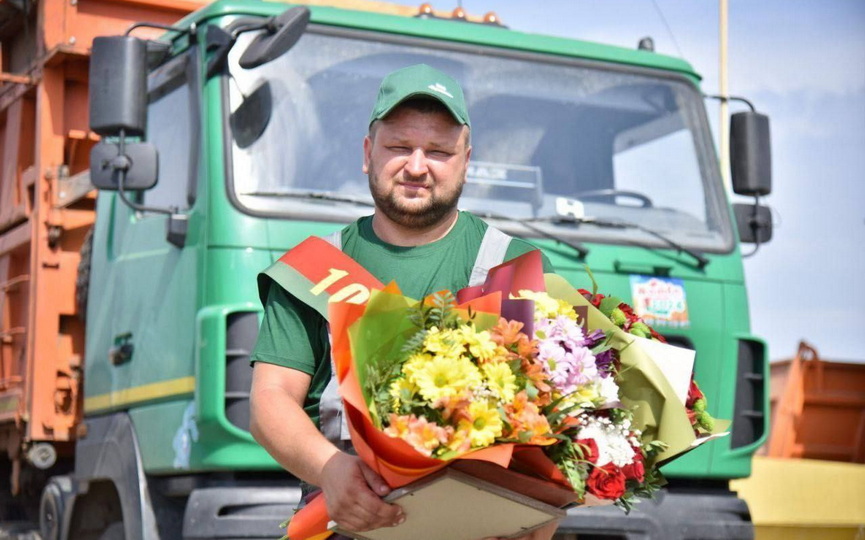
{"x": 613, "y": 441}
{"x": 609, "y": 390}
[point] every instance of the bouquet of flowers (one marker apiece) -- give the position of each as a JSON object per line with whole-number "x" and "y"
{"x": 525, "y": 372}
{"x": 623, "y": 316}
{"x": 457, "y": 388}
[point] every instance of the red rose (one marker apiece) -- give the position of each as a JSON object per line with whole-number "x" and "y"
{"x": 590, "y": 450}
{"x": 635, "y": 471}
{"x": 607, "y": 482}
{"x": 692, "y": 416}
{"x": 595, "y": 300}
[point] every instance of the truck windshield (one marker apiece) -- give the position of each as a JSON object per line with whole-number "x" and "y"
{"x": 548, "y": 137}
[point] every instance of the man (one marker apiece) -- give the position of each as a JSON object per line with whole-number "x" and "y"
{"x": 416, "y": 156}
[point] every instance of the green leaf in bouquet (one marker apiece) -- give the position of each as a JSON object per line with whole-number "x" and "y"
{"x": 516, "y": 365}
{"x": 653, "y": 448}
{"x": 531, "y": 390}
{"x": 608, "y": 304}
{"x": 556, "y": 416}
{"x": 566, "y": 458}
{"x": 442, "y": 313}
{"x": 415, "y": 343}
{"x": 377, "y": 341}
{"x": 592, "y": 278}
{"x": 554, "y": 405}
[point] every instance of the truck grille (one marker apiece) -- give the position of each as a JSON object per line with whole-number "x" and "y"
{"x": 749, "y": 417}
{"x": 240, "y": 335}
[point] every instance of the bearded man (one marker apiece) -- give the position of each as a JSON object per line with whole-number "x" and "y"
{"x": 416, "y": 156}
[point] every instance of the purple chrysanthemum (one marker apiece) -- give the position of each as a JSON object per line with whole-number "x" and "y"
{"x": 566, "y": 359}
{"x": 604, "y": 362}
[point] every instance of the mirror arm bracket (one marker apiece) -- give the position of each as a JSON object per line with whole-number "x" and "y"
{"x": 755, "y": 225}
{"x": 220, "y": 42}
{"x": 177, "y": 225}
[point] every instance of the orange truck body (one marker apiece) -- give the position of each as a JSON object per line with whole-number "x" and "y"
{"x": 818, "y": 408}
{"x": 47, "y": 207}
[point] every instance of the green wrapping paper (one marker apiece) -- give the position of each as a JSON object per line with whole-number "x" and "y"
{"x": 658, "y": 413}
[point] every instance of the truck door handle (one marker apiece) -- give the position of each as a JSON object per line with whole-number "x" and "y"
{"x": 630, "y": 267}
{"x": 122, "y": 350}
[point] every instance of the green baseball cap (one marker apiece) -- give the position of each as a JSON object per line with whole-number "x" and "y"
{"x": 420, "y": 80}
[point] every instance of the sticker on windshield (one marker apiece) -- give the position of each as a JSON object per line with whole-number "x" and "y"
{"x": 503, "y": 181}
{"x": 660, "y": 301}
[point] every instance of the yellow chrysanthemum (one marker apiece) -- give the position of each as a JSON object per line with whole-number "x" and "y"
{"x": 400, "y": 390}
{"x": 584, "y": 396}
{"x": 480, "y": 344}
{"x": 500, "y": 380}
{"x": 482, "y": 423}
{"x": 444, "y": 342}
{"x": 548, "y": 307}
{"x": 415, "y": 362}
{"x": 445, "y": 376}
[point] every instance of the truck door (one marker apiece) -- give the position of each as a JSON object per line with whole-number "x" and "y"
{"x": 141, "y": 320}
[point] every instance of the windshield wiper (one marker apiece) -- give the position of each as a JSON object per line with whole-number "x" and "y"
{"x": 619, "y": 224}
{"x": 581, "y": 250}
{"x": 311, "y": 195}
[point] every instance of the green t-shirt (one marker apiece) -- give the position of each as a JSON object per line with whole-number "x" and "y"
{"x": 294, "y": 335}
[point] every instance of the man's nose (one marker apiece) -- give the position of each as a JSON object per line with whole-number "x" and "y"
{"x": 417, "y": 164}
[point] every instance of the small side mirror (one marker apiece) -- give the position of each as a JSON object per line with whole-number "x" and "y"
{"x": 280, "y": 35}
{"x": 118, "y": 86}
{"x": 250, "y": 119}
{"x": 750, "y": 154}
{"x": 754, "y": 223}
{"x": 139, "y": 163}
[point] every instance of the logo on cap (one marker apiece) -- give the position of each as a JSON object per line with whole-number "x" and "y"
{"x": 441, "y": 89}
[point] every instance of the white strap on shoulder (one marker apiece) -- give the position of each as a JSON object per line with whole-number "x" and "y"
{"x": 494, "y": 247}
{"x": 334, "y": 239}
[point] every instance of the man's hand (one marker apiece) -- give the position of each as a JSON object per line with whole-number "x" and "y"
{"x": 353, "y": 494}
{"x": 544, "y": 533}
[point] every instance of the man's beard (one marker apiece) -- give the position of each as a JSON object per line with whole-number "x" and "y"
{"x": 434, "y": 209}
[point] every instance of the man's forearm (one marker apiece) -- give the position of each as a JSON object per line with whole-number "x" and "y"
{"x": 283, "y": 428}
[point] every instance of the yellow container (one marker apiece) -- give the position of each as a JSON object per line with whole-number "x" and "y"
{"x": 799, "y": 499}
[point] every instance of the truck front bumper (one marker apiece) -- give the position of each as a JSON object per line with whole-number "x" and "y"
{"x": 674, "y": 514}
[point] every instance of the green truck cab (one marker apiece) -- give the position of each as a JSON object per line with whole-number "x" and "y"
{"x": 599, "y": 155}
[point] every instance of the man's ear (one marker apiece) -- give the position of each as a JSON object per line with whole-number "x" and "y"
{"x": 367, "y": 153}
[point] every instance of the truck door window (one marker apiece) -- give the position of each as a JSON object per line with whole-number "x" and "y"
{"x": 169, "y": 128}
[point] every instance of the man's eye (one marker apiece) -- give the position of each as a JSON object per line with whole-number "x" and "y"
{"x": 440, "y": 154}
{"x": 398, "y": 148}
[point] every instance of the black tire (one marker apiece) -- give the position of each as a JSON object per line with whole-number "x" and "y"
{"x": 114, "y": 532}
{"x": 82, "y": 280}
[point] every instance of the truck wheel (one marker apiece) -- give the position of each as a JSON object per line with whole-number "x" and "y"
{"x": 82, "y": 280}
{"x": 114, "y": 532}
{"x": 53, "y": 505}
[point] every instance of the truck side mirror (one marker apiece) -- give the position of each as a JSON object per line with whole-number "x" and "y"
{"x": 118, "y": 109}
{"x": 754, "y": 222}
{"x": 280, "y": 34}
{"x": 750, "y": 154}
{"x": 139, "y": 163}
{"x": 118, "y": 86}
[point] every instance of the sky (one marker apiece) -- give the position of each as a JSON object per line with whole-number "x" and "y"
{"x": 802, "y": 63}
